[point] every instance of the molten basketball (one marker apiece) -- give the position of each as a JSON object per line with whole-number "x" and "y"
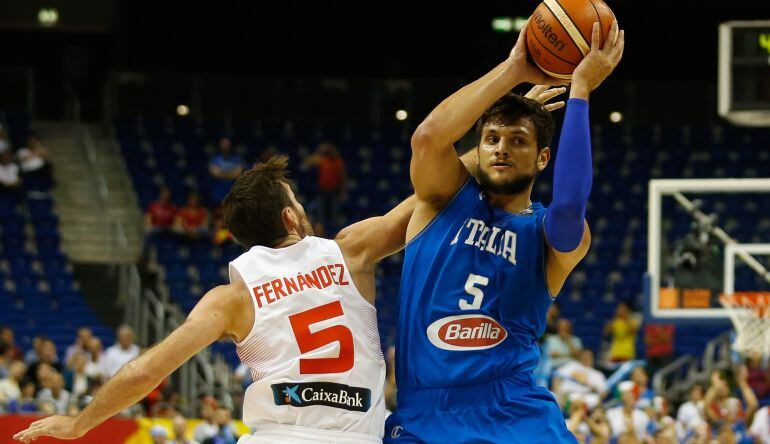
{"x": 559, "y": 33}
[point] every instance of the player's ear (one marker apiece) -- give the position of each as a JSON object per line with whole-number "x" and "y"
{"x": 543, "y": 157}
{"x": 291, "y": 220}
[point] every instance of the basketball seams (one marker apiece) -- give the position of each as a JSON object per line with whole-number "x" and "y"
{"x": 601, "y": 25}
{"x": 566, "y": 22}
{"x": 545, "y": 47}
{"x": 566, "y": 11}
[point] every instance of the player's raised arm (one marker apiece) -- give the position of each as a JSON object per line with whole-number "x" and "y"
{"x": 376, "y": 238}
{"x": 213, "y": 317}
{"x": 435, "y": 169}
{"x": 565, "y": 228}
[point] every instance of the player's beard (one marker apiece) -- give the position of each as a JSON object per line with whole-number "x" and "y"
{"x": 515, "y": 185}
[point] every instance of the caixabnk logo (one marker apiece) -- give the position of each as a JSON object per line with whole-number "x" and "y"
{"x": 299, "y": 394}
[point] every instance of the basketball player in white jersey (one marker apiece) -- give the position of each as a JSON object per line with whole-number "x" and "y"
{"x": 300, "y": 311}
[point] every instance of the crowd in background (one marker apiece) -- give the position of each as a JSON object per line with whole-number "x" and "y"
{"x": 201, "y": 219}
{"x": 26, "y": 168}
{"x": 42, "y": 380}
{"x": 600, "y": 408}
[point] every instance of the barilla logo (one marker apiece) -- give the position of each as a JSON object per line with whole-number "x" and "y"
{"x": 466, "y": 332}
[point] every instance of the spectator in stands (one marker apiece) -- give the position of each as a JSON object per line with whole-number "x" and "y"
{"x": 7, "y": 336}
{"x": 578, "y": 412}
{"x": 221, "y": 234}
{"x": 207, "y": 428}
{"x": 626, "y": 418}
{"x": 97, "y": 363}
{"x": 36, "y": 169}
{"x": 192, "y": 220}
{"x": 55, "y": 395}
{"x": 586, "y": 425}
{"x": 225, "y": 429}
{"x": 47, "y": 359}
{"x": 5, "y": 359}
{"x": 158, "y": 434}
{"x": 28, "y": 401}
{"x": 644, "y": 394}
{"x": 180, "y": 431}
{"x": 224, "y": 168}
{"x": 331, "y": 180}
{"x": 123, "y": 351}
{"x": 759, "y": 375}
{"x": 622, "y": 329}
{"x": 690, "y": 414}
{"x": 659, "y": 344}
{"x": 726, "y": 414}
{"x": 76, "y": 380}
{"x": 10, "y": 388}
{"x": 81, "y": 342}
{"x": 31, "y": 355}
{"x": 10, "y": 182}
{"x": 581, "y": 380}
{"x": 563, "y": 346}
{"x": 160, "y": 215}
{"x": 662, "y": 426}
{"x": 760, "y": 426}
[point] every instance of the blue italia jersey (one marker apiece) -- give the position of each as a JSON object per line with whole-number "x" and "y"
{"x": 473, "y": 297}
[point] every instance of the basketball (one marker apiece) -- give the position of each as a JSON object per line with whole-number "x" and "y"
{"x": 559, "y": 33}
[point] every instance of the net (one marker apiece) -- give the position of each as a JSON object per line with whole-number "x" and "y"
{"x": 750, "y": 315}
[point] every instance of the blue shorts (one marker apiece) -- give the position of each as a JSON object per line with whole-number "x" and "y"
{"x": 509, "y": 410}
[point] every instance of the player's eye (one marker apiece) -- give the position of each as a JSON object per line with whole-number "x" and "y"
{"x": 492, "y": 140}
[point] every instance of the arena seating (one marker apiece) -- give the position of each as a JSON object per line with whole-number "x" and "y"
{"x": 37, "y": 292}
{"x": 175, "y": 152}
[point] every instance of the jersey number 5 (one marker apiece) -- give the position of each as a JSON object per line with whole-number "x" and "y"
{"x": 477, "y": 293}
{"x": 309, "y": 341}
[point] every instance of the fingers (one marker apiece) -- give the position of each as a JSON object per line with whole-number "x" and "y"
{"x": 535, "y": 92}
{"x": 612, "y": 37}
{"x": 27, "y": 435}
{"x": 619, "y": 47}
{"x": 595, "y": 37}
{"x": 554, "y": 106}
{"x": 522, "y": 35}
{"x": 550, "y": 94}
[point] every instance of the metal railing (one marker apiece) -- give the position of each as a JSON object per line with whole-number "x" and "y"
{"x": 676, "y": 378}
{"x": 149, "y": 312}
{"x": 153, "y": 319}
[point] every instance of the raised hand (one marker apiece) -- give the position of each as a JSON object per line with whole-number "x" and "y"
{"x": 600, "y": 61}
{"x": 526, "y": 71}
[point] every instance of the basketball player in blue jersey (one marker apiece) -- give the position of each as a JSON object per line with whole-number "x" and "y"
{"x": 483, "y": 263}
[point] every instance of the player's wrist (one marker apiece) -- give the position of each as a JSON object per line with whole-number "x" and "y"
{"x": 79, "y": 426}
{"x": 579, "y": 89}
{"x": 513, "y": 71}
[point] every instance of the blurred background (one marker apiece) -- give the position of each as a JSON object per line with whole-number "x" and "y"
{"x": 125, "y": 122}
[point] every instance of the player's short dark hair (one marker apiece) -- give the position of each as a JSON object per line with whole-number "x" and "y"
{"x": 252, "y": 209}
{"x": 512, "y": 107}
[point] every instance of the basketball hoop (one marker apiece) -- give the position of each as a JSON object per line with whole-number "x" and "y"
{"x": 750, "y": 314}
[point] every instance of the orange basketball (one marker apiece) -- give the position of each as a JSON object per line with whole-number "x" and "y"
{"x": 559, "y": 33}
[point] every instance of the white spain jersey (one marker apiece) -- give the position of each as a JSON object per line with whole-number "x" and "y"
{"x": 314, "y": 350}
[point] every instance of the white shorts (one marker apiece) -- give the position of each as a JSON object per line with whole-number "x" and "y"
{"x": 292, "y": 434}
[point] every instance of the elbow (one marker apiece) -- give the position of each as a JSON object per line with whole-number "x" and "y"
{"x": 423, "y": 137}
{"x": 141, "y": 375}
